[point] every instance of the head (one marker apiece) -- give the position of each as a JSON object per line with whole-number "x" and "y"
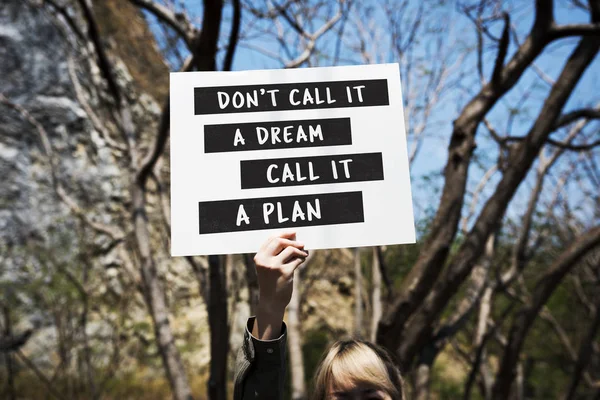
{"x": 357, "y": 370}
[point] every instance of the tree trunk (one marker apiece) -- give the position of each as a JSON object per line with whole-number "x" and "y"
{"x": 295, "y": 343}
{"x": 156, "y": 302}
{"x": 83, "y": 321}
{"x": 219, "y": 329}
{"x": 423, "y": 371}
{"x": 10, "y": 383}
{"x": 541, "y": 293}
{"x": 205, "y": 51}
{"x": 358, "y": 301}
{"x": 484, "y": 313}
{"x": 154, "y": 294}
{"x": 519, "y": 389}
{"x": 200, "y": 268}
{"x": 521, "y": 159}
{"x": 422, "y": 381}
{"x": 585, "y": 352}
{"x": 423, "y": 276}
{"x": 252, "y": 281}
{"x": 377, "y": 307}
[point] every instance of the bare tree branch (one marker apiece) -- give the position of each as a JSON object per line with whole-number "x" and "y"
{"x": 14, "y": 342}
{"x": 481, "y": 337}
{"x": 103, "y": 61}
{"x": 475, "y": 199}
{"x": 233, "y": 36}
{"x": 520, "y": 160}
{"x": 82, "y": 98}
{"x": 574, "y": 147}
{"x": 562, "y": 31}
{"x": 424, "y": 273}
{"x": 474, "y": 291}
{"x": 292, "y": 21}
{"x": 587, "y": 113}
{"x": 179, "y": 22}
{"x": 383, "y": 267}
{"x": 585, "y": 353}
{"x": 543, "y": 289}
{"x": 376, "y": 304}
{"x": 502, "y": 50}
{"x": 561, "y": 145}
{"x": 205, "y": 48}
{"x": 519, "y": 254}
{"x": 39, "y": 374}
{"x": 312, "y": 41}
{"x": 154, "y": 294}
{"x": 219, "y": 328}
{"x": 161, "y": 137}
{"x": 63, "y": 12}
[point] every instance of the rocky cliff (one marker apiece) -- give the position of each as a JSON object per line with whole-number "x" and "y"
{"x": 63, "y": 171}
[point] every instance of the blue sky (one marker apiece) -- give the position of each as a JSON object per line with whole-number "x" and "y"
{"x": 515, "y": 113}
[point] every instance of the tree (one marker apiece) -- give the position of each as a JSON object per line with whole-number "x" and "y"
{"x": 444, "y": 228}
{"x": 507, "y": 257}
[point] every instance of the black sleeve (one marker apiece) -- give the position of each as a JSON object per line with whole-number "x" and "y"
{"x": 260, "y": 366}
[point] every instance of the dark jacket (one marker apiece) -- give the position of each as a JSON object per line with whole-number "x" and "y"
{"x": 260, "y": 367}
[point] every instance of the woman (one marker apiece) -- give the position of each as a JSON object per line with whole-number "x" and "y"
{"x": 349, "y": 370}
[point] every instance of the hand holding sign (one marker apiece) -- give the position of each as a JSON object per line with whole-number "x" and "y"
{"x": 276, "y": 262}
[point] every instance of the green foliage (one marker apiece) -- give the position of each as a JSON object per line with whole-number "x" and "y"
{"x": 445, "y": 390}
{"x": 315, "y": 344}
{"x": 399, "y": 260}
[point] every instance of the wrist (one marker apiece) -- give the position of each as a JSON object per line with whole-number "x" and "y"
{"x": 269, "y": 319}
{"x": 267, "y": 307}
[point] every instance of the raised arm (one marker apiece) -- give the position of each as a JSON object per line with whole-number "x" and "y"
{"x": 275, "y": 262}
{"x": 260, "y": 369}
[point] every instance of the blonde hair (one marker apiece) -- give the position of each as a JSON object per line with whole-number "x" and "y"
{"x": 361, "y": 363}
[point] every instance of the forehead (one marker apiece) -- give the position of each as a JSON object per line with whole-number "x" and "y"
{"x": 343, "y": 385}
{"x": 356, "y": 393}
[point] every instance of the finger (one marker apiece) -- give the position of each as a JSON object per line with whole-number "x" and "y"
{"x": 266, "y": 243}
{"x": 290, "y": 252}
{"x": 271, "y": 242}
{"x": 291, "y": 235}
{"x": 278, "y": 244}
{"x": 293, "y": 265}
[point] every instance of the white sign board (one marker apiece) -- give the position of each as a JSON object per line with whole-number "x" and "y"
{"x": 320, "y": 151}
